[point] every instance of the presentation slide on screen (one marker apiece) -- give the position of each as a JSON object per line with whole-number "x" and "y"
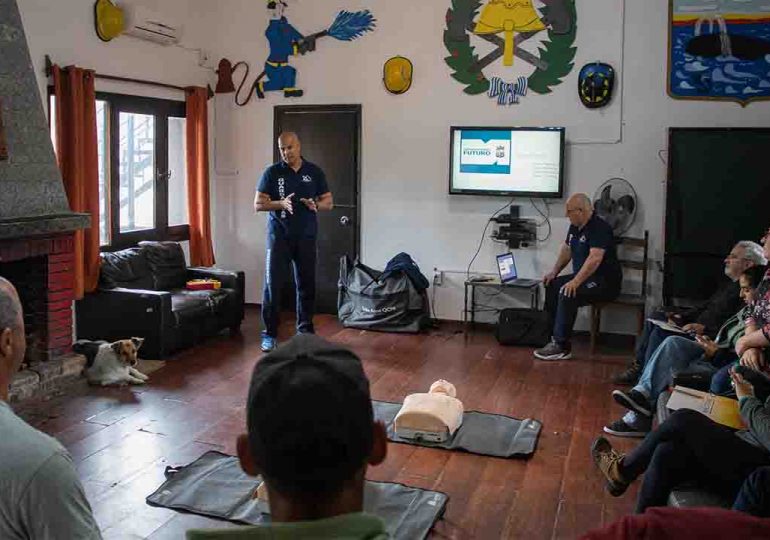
{"x": 506, "y": 160}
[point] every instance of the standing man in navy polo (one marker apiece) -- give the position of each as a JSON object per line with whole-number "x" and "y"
{"x": 590, "y": 245}
{"x": 293, "y": 191}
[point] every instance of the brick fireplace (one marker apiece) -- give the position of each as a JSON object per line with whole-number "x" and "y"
{"x": 41, "y": 270}
{"x": 37, "y": 226}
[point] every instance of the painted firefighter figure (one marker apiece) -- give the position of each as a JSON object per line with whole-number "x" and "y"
{"x": 286, "y": 41}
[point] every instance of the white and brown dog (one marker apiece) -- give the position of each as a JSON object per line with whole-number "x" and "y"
{"x": 111, "y": 364}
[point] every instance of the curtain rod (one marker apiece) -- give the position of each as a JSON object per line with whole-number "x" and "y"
{"x": 49, "y": 66}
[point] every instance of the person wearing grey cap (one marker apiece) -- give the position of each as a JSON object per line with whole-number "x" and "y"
{"x": 311, "y": 436}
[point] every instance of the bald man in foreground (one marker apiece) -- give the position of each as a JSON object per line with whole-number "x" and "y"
{"x": 41, "y": 496}
{"x": 596, "y": 276}
{"x": 293, "y": 191}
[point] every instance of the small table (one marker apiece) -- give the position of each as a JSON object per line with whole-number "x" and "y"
{"x": 533, "y": 288}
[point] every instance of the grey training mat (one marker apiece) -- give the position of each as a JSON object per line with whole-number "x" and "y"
{"x": 480, "y": 433}
{"x": 215, "y": 486}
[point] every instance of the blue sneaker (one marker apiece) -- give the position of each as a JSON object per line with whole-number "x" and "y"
{"x": 268, "y": 343}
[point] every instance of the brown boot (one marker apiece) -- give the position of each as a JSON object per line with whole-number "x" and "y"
{"x": 630, "y": 376}
{"x": 607, "y": 460}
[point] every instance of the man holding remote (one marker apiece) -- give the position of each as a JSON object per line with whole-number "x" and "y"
{"x": 590, "y": 245}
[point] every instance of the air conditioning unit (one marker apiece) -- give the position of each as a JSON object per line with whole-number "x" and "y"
{"x": 146, "y": 24}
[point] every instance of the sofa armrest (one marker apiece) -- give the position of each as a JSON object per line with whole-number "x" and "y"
{"x": 229, "y": 280}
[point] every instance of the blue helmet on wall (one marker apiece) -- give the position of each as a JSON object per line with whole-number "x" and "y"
{"x": 596, "y": 82}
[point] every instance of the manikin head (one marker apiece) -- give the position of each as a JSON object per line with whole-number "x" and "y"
{"x": 579, "y": 209}
{"x": 290, "y": 148}
{"x": 311, "y": 430}
{"x": 13, "y": 342}
{"x": 443, "y": 387}
{"x": 743, "y": 256}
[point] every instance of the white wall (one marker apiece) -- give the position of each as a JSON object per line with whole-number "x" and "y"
{"x": 405, "y": 138}
{"x": 64, "y": 30}
{"x": 405, "y": 205}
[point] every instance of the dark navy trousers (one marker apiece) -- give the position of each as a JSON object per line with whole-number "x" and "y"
{"x": 562, "y": 311}
{"x": 283, "y": 253}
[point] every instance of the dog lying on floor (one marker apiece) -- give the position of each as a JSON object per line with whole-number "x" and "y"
{"x": 111, "y": 364}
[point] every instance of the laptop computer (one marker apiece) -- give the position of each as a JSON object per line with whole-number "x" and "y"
{"x": 506, "y": 265}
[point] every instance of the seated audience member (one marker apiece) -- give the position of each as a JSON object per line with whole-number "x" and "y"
{"x": 311, "y": 434}
{"x": 754, "y": 496}
{"x": 596, "y": 276}
{"x": 682, "y": 523}
{"x": 40, "y": 494}
{"x": 677, "y": 353}
{"x": 750, "y": 348}
{"x": 704, "y": 320}
{"x": 691, "y": 447}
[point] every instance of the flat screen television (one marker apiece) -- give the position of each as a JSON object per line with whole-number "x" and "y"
{"x": 507, "y": 161}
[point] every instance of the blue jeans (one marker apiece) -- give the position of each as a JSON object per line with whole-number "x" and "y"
{"x": 674, "y": 354}
{"x": 651, "y": 338}
{"x": 721, "y": 381}
{"x": 283, "y": 252}
{"x": 754, "y": 496}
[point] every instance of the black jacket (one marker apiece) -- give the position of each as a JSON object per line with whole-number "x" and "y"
{"x": 722, "y": 305}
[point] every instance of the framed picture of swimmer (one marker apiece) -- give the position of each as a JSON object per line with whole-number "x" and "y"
{"x": 719, "y": 50}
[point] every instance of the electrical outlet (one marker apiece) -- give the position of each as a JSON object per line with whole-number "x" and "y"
{"x": 438, "y": 277}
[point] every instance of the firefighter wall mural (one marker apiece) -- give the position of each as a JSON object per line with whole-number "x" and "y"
{"x": 286, "y": 41}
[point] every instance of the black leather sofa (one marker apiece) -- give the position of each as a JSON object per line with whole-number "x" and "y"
{"x": 142, "y": 293}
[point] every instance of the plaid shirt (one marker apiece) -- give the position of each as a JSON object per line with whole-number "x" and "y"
{"x": 759, "y": 311}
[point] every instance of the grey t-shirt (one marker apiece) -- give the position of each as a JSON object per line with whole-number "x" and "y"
{"x": 40, "y": 494}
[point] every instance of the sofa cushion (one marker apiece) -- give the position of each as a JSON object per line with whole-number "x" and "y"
{"x": 167, "y": 263}
{"x": 188, "y": 306}
{"x": 128, "y": 268}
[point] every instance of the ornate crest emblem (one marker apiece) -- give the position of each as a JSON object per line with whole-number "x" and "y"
{"x": 508, "y": 24}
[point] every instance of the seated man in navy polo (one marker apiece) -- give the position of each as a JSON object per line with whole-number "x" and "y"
{"x": 590, "y": 245}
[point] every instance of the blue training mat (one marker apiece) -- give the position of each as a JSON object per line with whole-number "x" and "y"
{"x": 485, "y": 434}
{"x": 215, "y": 486}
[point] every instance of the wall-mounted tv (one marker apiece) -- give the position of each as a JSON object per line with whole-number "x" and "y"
{"x": 508, "y": 161}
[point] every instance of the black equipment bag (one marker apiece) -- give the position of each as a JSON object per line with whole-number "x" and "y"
{"x": 519, "y": 326}
{"x": 391, "y": 304}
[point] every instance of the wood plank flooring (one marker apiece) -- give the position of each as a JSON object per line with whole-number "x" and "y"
{"x": 122, "y": 439}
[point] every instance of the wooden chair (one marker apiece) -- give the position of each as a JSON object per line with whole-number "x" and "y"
{"x": 635, "y": 301}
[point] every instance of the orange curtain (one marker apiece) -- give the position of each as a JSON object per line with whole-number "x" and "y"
{"x": 198, "y": 198}
{"x": 79, "y": 164}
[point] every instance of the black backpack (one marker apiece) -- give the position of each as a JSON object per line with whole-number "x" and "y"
{"x": 519, "y": 326}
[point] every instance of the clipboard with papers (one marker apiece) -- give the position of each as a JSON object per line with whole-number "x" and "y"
{"x": 669, "y": 327}
{"x": 720, "y": 409}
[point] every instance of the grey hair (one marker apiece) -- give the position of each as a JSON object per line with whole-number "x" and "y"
{"x": 10, "y": 308}
{"x": 752, "y": 252}
{"x": 583, "y": 200}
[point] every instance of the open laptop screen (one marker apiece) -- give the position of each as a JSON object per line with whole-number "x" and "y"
{"x": 507, "y": 267}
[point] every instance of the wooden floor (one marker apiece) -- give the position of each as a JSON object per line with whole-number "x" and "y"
{"x": 122, "y": 439}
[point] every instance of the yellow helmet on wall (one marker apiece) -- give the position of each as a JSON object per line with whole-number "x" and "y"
{"x": 108, "y": 20}
{"x": 397, "y": 75}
